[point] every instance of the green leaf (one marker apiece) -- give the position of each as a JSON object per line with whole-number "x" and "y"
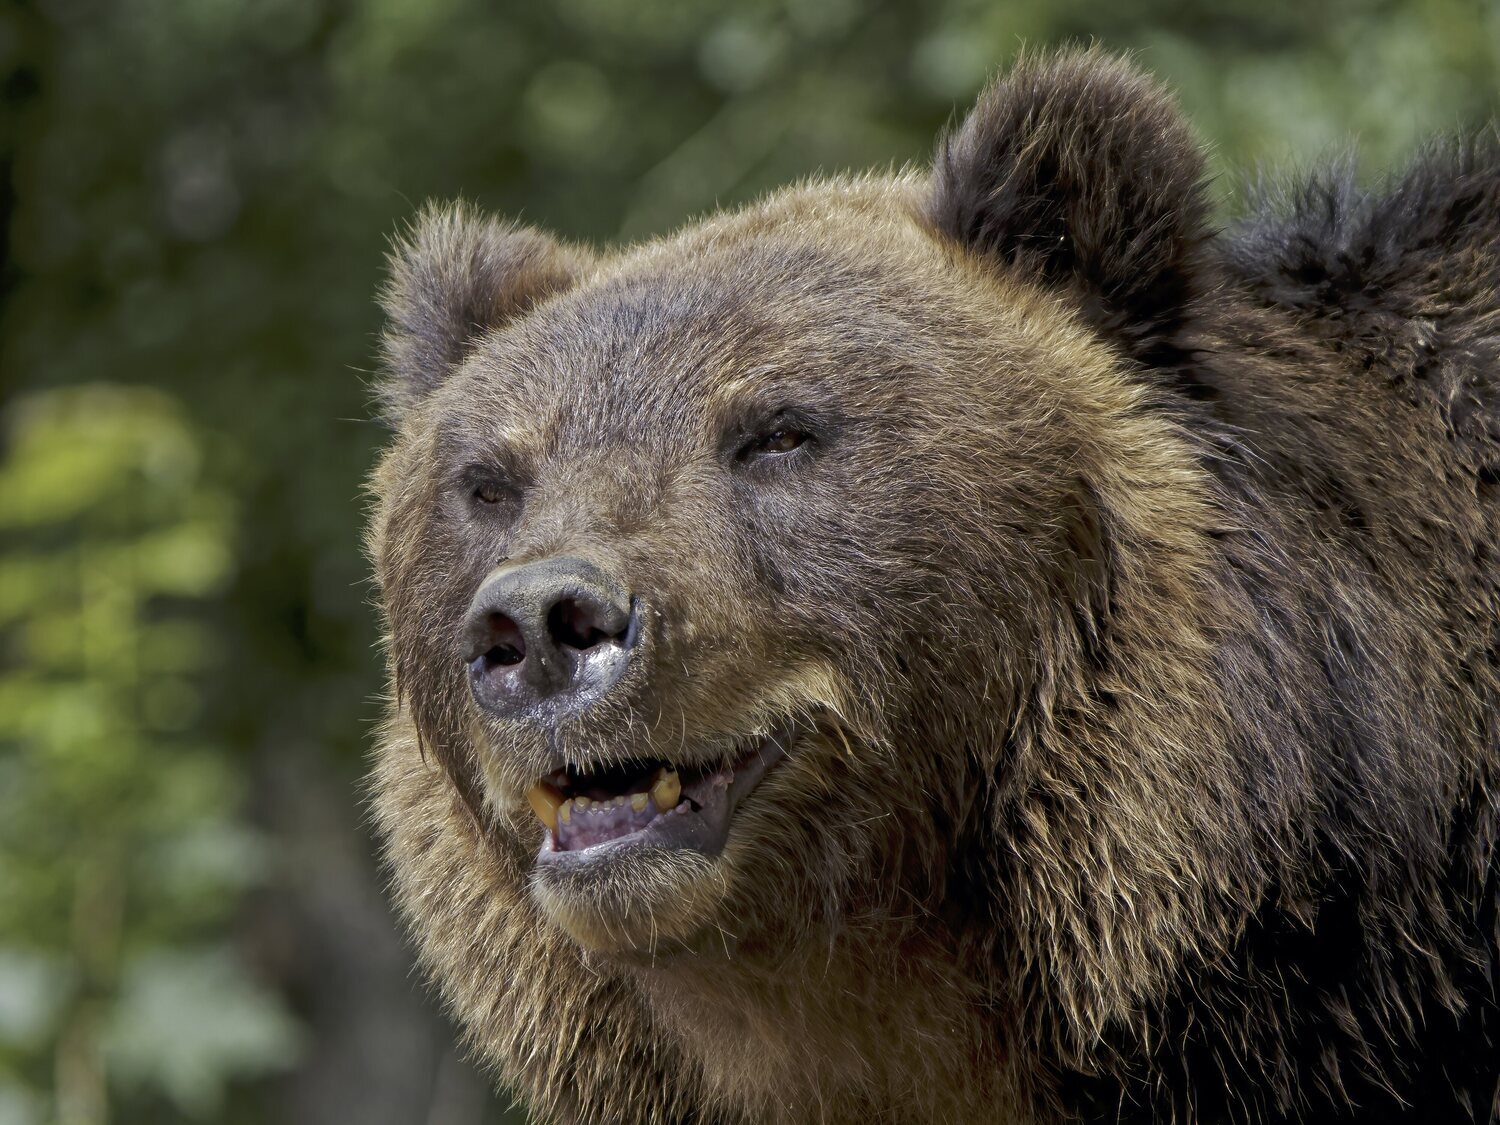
{"x": 187, "y": 1023}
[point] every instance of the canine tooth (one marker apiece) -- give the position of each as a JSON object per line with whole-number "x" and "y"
{"x": 545, "y": 801}
{"x": 638, "y": 802}
{"x": 565, "y": 812}
{"x": 667, "y": 791}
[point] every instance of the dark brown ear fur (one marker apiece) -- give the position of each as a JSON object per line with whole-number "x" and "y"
{"x": 454, "y": 276}
{"x": 1080, "y": 170}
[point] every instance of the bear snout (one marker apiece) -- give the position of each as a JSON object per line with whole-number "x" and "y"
{"x": 547, "y": 639}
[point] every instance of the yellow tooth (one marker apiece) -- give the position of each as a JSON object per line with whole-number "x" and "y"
{"x": 667, "y": 791}
{"x": 544, "y": 802}
{"x": 565, "y": 812}
{"x": 583, "y": 803}
{"x": 638, "y": 802}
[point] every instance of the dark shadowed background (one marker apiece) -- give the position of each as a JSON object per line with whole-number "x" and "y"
{"x": 195, "y": 197}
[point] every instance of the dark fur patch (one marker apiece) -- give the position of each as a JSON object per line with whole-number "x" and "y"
{"x": 1402, "y": 280}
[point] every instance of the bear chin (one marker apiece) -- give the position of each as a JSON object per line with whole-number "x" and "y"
{"x": 638, "y": 900}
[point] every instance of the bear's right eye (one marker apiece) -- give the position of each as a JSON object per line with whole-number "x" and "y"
{"x": 780, "y": 438}
{"x": 489, "y": 489}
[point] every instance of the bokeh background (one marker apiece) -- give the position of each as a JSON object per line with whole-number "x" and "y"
{"x": 195, "y": 197}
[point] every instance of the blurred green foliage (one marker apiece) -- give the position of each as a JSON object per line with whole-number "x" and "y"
{"x": 194, "y": 202}
{"x": 123, "y": 853}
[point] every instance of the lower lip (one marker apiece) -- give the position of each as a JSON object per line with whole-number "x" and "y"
{"x": 704, "y": 829}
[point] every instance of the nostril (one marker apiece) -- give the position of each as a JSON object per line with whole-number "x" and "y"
{"x": 506, "y": 644}
{"x": 576, "y": 625}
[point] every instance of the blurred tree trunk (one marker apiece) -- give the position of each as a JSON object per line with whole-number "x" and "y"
{"x": 21, "y": 85}
{"x": 379, "y": 1054}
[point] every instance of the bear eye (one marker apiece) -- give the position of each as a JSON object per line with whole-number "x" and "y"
{"x": 777, "y": 443}
{"x": 489, "y": 488}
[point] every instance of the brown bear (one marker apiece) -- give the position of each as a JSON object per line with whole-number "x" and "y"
{"x": 965, "y": 645}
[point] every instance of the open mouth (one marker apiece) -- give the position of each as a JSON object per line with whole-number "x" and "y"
{"x": 649, "y": 802}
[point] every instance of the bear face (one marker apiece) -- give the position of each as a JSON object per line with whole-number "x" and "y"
{"x": 738, "y": 452}
{"x": 834, "y": 675}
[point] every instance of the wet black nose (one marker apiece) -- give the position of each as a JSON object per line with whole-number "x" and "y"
{"x": 548, "y": 638}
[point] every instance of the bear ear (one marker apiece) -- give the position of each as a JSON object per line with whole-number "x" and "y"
{"x": 454, "y": 276}
{"x": 1078, "y": 169}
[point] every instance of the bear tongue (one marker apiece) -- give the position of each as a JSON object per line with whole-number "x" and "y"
{"x": 581, "y": 823}
{"x": 600, "y": 821}
{"x": 667, "y": 811}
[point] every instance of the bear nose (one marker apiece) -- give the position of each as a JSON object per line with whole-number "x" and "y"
{"x": 548, "y": 638}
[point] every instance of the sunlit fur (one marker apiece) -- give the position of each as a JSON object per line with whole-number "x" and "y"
{"x": 1139, "y": 595}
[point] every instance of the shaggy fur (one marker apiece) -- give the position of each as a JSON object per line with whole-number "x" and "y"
{"x": 1139, "y": 587}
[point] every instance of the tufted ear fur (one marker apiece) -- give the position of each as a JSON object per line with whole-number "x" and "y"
{"x": 454, "y": 276}
{"x": 1079, "y": 170}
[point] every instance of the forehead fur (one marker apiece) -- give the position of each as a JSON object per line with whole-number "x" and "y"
{"x": 800, "y": 295}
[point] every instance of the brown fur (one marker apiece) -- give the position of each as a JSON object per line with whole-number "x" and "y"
{"x": 1141, "y": 587}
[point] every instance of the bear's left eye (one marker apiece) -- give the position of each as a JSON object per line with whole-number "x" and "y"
{"x": 778, "y": 442}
